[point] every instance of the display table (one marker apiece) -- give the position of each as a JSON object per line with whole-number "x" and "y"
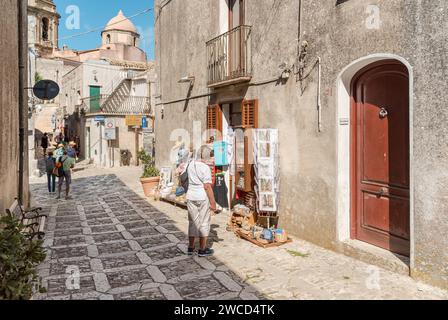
{"x": 173, "y": 200}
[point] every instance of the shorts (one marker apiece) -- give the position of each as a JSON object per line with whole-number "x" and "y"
{"x": 199, "y": 218}
{"x": 67, "y": 176}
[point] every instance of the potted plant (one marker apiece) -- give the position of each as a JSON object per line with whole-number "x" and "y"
{"x": 151, "y": 175}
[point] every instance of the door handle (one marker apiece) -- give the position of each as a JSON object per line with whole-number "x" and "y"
{"x": 383, "y": 113}
{"x": 383, "y": 192}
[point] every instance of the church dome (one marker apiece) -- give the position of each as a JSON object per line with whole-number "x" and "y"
{"x": 121, "y": 23}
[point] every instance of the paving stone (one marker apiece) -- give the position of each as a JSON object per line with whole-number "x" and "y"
{"x": 121, "y": 213}
{"x": 148, "y": 294}
{"x": 144, "y": 232}
{"x": 74, "y": 218}
{"x": 59, "y": 287}
{"x": 226, "y": 281}
{"x": 68, "y": 225}
{"x": 200, "y": 288}
{"x": 132, "y": 218}
{"x": 163, "y": 221}
{"x": 103, "y": 229}
{"x": 69, "y": 241}
{"x": 107, "y": 237}
{"x": 97, "y": 216}
{"x": 121, "y": 261}
{"x": 100, "y": 222}
{"x": 114, "y": 247}
{"x": 136, "y": 225}
{"x": 126, "y": 278}
{"x": 101, "y": 282}
{"x": 179, "y": 268}
{"x": 58, "y": 253}
{"x": 164, "y": 254}
{"x": 170, "y": 227}
{"x": 181, "y": 236}
{"x": 59, "y": 268}
{"x": 149, "y": 242}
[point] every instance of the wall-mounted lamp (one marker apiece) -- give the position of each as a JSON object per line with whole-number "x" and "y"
{"x": 188, "y": 79}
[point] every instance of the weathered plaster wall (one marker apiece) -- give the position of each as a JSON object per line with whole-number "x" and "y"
{"x": 339, "y": 35}
{"x": 182, "y": 29}
{"x": 9, "y": 107}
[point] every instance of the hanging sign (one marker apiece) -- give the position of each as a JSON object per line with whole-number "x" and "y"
{"x": 144, "y": 122}
{"x": 100, "y": 118}
{"x": 134, "y": 121}
{"x": 46, "y": 89}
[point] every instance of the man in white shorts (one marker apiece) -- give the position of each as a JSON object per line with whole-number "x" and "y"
{"x": 200, "y": 200}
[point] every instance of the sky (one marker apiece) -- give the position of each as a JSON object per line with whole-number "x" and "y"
{"x": 94, "y": 14}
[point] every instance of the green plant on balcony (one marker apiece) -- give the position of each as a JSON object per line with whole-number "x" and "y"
{"x": 19, "y": 257}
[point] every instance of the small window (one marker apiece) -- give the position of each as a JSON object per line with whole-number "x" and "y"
{"x": 108, "y": 39}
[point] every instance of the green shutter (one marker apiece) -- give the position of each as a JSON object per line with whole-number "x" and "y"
{"x": 95, "y": 99}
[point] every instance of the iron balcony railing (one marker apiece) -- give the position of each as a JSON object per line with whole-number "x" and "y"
{"x": 117, "y": 104}
{"x": 230, "y": 57}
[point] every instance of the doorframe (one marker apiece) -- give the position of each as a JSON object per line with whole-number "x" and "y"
{"x": 343, "y": 143}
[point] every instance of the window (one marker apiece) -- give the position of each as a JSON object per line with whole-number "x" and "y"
{"x": 236, "y": 117}
{"x": 214, "y": 121}
{"x": 45, "y": 26}
{"x": 108, "y": 39}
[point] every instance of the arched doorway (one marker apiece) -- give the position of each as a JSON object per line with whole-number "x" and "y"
{"x": 380, "y": 156}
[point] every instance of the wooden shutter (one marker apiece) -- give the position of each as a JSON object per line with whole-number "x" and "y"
{"x": 214, "y": 120}
{"x": 250, "y": 113}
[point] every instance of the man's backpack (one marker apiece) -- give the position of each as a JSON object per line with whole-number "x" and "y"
{"x": 184, "y": 179}
{"x": 50, "y": 164}
{"x": 58, "y": 170}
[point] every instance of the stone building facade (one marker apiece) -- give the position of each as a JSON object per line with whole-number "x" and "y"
{"x": 108, "y": 83}
{"x": 356, "y": 89}
{"x": 10, "y": 97}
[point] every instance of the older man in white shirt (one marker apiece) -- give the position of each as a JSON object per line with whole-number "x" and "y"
{"x": 200, "y": 201}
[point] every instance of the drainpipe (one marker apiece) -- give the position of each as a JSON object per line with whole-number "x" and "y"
{"x": 319, "y": 85}
{"x": 23, "y": 101}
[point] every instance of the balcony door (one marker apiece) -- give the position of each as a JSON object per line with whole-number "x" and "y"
{"x": 236, "y": 13}
{"x": 236, "y": 64}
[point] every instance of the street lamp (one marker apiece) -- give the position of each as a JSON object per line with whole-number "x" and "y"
{"x": 187, "y": 79}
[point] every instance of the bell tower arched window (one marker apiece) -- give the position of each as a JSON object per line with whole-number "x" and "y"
{"x": 45, "y": 28}
{"x": 108, "y": 39}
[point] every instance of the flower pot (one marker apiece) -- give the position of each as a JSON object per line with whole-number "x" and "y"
{"x": 150, "y": 185}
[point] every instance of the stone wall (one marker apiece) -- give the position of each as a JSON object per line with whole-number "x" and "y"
{"x": 9, "y": 105}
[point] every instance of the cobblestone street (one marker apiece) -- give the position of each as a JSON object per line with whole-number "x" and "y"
{"x": 126, "y": 247}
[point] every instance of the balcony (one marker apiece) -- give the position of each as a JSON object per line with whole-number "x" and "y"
{"x": 230, "y": 58}
{"x": 117, "y": 104}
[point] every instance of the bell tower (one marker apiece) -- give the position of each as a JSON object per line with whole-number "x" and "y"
{"x": 43, "y": 23}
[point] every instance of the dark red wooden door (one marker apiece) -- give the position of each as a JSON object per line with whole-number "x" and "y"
{"x": 380, "y": 156}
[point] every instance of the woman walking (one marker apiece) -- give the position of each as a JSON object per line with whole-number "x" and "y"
{"x": 50, "y": 163}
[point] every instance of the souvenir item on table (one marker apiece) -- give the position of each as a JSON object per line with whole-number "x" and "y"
{"x": 220, "y": 191}
{"x": 220, "y": 153}
{"x": 266, "y": 169}
{"x": 165, "y": 176}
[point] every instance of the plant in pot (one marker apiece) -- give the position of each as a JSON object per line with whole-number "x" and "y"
{"x": 151, "y": 175}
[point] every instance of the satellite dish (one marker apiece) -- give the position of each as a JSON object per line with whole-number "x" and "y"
{"x": 46, "y": 90}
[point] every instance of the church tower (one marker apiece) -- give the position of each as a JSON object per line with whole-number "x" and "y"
{"x": 43, "y": 22}
{"x": 120, "y": 30}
